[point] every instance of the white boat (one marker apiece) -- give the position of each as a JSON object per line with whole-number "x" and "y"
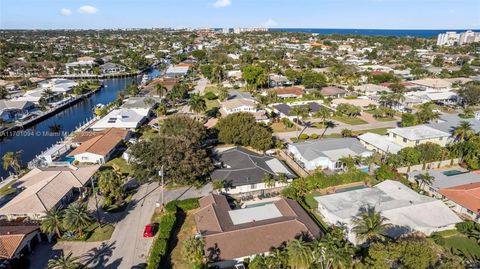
{"x": 144, "y": 79}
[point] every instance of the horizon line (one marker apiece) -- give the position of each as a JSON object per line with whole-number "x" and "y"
{"x": 259, "y": 27}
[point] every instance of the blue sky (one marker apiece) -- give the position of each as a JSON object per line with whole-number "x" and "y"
{"x": 370, "y": 14}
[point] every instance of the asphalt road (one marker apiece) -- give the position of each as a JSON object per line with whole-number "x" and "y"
{"x": 201, "y": 85}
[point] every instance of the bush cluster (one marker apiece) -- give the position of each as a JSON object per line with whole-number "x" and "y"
{"x": 160, "y": 246}
{"x": 182, "y": 205}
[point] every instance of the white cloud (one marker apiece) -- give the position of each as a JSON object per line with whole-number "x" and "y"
{"x": 270, "y": 23}
{"x": 222, "y": 3}
{"x": 65, "y": 12}
{"x": 87, "y": 9}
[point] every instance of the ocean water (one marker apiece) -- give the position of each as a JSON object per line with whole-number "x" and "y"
{"x": 369, "y": 32}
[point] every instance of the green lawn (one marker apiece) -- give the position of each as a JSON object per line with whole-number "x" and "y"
{"x": 211, "y": 88}
{"x": 279, "y": 127}
{"x": 187, "y": 230}
{"x": 380, "y": 131}
{"x": 7, "y": 189}
{"x": 385, "y": 119}
{"x": 149, "y": 133}
{"x": 211, "y": 104}
{"x": 100, "y": 232}
{"x": 348, "y": 120}
{"x": 121, "y": 165}
{"x": 461, "y": 243}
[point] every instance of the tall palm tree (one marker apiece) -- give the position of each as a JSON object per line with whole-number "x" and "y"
{"x": 193, "y": 251}
{"x": 328, "y": 124}
{"x": 13, "y": 160}
{"x": 424, "y": 179}
{"x": 77, "y": 217}
{"x": 323, "y": 113}
{"x": 463, "y": 131}
{"x": 161, "y": 110}
{"x": 65, "y": 262}
{"x": 348, "y": 161}
{"x": 268, "y": 180}
{"x": 299, "y": 111}
{"x": 161, "y": 90}
{"x": 299, "y": 254}
{"x": 197, "y": 104}
{"x": 369, "y": 225}
{"x": 53, "y": 221}
{"x": 218, "y": 185}
{"x": 222, "y": 93}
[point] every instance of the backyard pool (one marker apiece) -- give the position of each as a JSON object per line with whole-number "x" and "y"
{"x": 351, "y": 188}
{"x": 452, "y": 172}
{"x": 258, "y": 204}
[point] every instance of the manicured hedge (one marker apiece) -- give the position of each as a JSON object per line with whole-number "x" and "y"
{"x": 160, "y": 246}
{"x": 183, "y": 205}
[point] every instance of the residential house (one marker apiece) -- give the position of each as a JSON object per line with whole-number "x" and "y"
{"x": 288, "y": 92}
{"x": 372, "y": 89}
{"x": 17, "y": 239}
{"x": 333, "y": 92}
{"x": 464, "y": 199}
{"x": 405, "y": 209}
{"x": 112, "y": 68}
{"x": 11, "y": 110}
{"x": 100, "y": 147}
{"x": 285, "y": 110}
{"x": 379, "y": 143}
{"x": 177, "y": 71}
{"x": 44, "y": 188}
{"x": 278, "y": 81}
{"x": 232, "y": 235}
{"x": 419, "y": 134}
{"x": 326, "y": 153}
{"x": 125, "y": 118}
{"x": 83, "y": 66}
{"x": 243, "y": 171}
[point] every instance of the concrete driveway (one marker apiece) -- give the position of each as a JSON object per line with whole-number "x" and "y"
{"x": 130, "y": 246}
{"x": 201, "y": 85}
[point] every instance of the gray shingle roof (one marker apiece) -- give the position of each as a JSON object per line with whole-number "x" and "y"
{"x": 311, "y": 150}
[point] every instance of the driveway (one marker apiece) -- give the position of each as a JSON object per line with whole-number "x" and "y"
{"x": 201, "y": 85}
{"x": 130, "y": 246}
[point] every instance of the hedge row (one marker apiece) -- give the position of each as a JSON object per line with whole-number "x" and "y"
{"x": 182, "y": 205}
{"x": 160, "y": 246}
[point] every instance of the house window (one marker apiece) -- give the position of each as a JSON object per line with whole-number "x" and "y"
{"x": 338, "y": 165}
{"x": 405, "y": 140}
{"x": 253, "y": 186}
{"x": 394, "y": 136}
{"x": 417, "y": 142}
{"x": 84, "y": 158}
{"x": 441, "y": 138}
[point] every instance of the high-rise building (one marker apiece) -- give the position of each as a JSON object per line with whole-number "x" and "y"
{"x": 454, "y": 38}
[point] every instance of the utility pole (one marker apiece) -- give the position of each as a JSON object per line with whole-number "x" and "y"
{"x": 161, "y": 174}
{"x": 96, "y": 200}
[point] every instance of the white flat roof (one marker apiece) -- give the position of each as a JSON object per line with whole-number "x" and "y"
{"x": 246, "y": 215}
{"x": 381, "y": 142}
{"x": 418, "y": 132}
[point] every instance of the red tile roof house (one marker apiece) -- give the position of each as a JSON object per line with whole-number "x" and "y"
{"x": 333, "y": 92}
{"x": 464, "y": 199}
{"x": 288, "y": 92}
{"x": 17, "y": 239}
{"x": 233, "y": 235}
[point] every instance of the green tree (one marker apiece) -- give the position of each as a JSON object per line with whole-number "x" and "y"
{"x": 53, "y": 221}
{"x": 222, "y": 93}
{"x": 218, "y": 185}
{"x": 77, "y": 217}
{"x": 197, "y": 104}
{"x": 463, "y": 131}
{"x": 193, "y": 251}
{"x": 424, "y": 179}
{"x": 161, "y": 89}
{"x": 311, "y": 79}
{"x": 369, "y": 225}
{"x": 253, "y": 74}
{"x": 268, "y": 180}
{"x": 470, "y": 93}
{"x": 408, "y": 119}
{"x": 110, "y": 184}
{"x": 299, "y": 254}
{"x": 347, "y": 132}
{"x": 65, "y": 262}
{"x": 3, "y": 92}
{"x": 12, "y": 160}
{"x": 299, "y": 112}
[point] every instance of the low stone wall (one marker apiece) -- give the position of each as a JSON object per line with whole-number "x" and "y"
{"x": 294, "y": 165}
{"x": 432, "y": 165}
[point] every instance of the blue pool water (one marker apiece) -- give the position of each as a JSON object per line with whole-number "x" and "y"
{"x": 452, "y": 172}
{"x": 351, "y": 188}
{"x": 257, "y": 205}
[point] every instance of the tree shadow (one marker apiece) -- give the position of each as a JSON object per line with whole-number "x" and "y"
{"x": 173, "y": 242}
{"x": 114, "y": 265}
{"x": 98, "y": 256}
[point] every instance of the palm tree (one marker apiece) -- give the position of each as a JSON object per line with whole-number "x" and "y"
{"x": 268, "y": 180}
{"x": 323, "y": 113}
{"x": 348, "y": 161}
{"x": 161, "y": 89}
{"x": 347, "y": 133}
{"x": 77, "y": 217}
{"x": 13, "y": 160}
{"x": 424, "y": 179}
{"x": 218, "y": 185}
{"x": 65, "y": 262}
{"x": 192, "y": 250}
{"x": 161, "y": 110}
{"x": 222, "y": 93}
{"x": 299, "y": 254}
{"x": 299, "y": 111}
{"x": 369, "y": 225}
{"x": 53, "y": 221}
{"x": 282, "y": 178}
{"x": 463, "y": 131}
{"x": 328, "y": 124}
{"x": 197, "y": 104}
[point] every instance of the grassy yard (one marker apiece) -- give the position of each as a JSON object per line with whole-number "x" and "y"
{"x": 348, "y": 120}
{"x": 279, "y": 127}
{"x": 212, "y": 104}
{"x": 380, "y": 131}
{"x": 212, "y": 88}
{"x": 385, "y": 119}
{"x": 149, "y": 133}
{"x": 461, "y": 243}
{"x": 121, "y": 165}
{"x": 7, "y": 189}
{"x": 187, "y": 230}
{"x": 100, "y": 232}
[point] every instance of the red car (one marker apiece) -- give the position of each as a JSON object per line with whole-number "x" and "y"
{"x": 150, "y": 230}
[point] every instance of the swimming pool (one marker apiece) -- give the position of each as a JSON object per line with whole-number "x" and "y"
{"x": 258, "y": 204}
{"x": 351, "y": 188}
{"x": 69, "y": 159}
{"x": 452, "y": 172}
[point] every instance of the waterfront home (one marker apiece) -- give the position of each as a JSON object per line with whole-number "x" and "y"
{"x": 83, "y": 66}
{"x": 243, "y": 171}
{"x": 415, "y": 135}
{"x": 177, "y": 71}
{"x": 112, "y": 68}
{"x": 326, "y": 153}
{"x": 17, "y": 239}
{"x": 288, "y": 92}
{"x": 11, "y": 110}
{"x": 232, "y": 235}
{"x": 402, "y": 207}
{"x": 44, "y": 188}
{"x": 333, "y": 92}
{"x": 100, "y": 147}
{"x": 124, "y": 118}
{"x": 58, "y": 85}
{"x": 143, "y": 104}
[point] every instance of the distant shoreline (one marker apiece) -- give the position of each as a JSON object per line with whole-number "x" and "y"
{"x": 423, "y": 33}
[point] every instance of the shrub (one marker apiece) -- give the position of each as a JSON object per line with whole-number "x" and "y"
{"x": 311, "y": 202}
{"x": 183, "y": 205}
{"x": 314, "y": 136}
{"x": 160, "y": 246}
{"x": 210, "y": 96}
{"x": 304, "y": 136}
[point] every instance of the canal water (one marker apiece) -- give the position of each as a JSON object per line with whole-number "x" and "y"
{"x": 38, "y": 138}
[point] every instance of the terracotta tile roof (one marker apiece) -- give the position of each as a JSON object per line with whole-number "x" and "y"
{"x": 467, "y": 195}
{"x": 328, "y": 91}
{"x": 288, "y": 90}
{"x": 101, "y": 144}
{"x": 234, "y": 103}
{"x": 238, "y": 240}
{"x": 11, "y": 237}
{"x": 184, "y": 65}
